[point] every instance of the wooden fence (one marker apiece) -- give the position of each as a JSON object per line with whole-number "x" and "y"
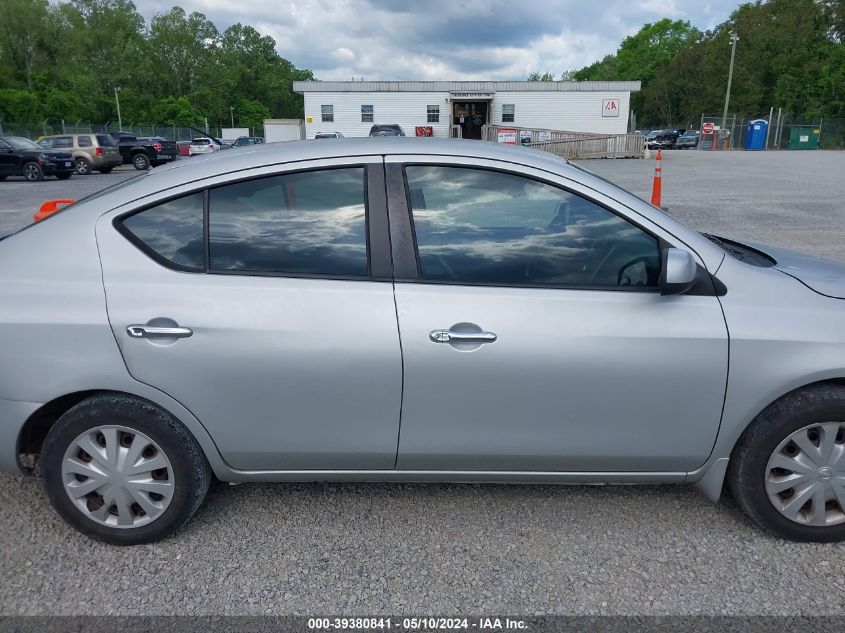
{"x": 577, "y": 145}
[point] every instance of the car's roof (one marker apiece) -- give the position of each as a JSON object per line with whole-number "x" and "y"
{"x": 254, "y": 156}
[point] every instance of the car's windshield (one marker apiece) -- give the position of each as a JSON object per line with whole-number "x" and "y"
{"x": 19, "y": 142}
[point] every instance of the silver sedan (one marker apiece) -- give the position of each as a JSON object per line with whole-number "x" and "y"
{"x": 410, "y": 310}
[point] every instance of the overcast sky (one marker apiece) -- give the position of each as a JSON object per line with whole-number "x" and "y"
{"x": 446, "y": 39}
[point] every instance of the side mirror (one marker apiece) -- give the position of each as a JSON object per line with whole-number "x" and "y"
{"x": 679, "y": 272}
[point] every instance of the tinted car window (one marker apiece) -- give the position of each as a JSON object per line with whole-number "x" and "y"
{"x": 305, "y": 223}
{"x": 173, "y": 230}
{"x": 488, "y": 227}
{"x": 84, "y": 141}
{"x": 62, "y": 142}
{"x": 105, "y": 140}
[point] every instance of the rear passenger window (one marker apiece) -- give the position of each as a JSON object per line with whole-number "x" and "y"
{"x": 304, "y": 223}
{"x": 105, "y": 140}
{"x": 84, "y": 141}
{"x": 172, "y": 231}
{"x": 63, "y": 142}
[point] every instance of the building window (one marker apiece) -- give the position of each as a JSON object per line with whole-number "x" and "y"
{"x": 508, "y": 113}
{"x": 328, "y": 113}
{"x": 432, "y": 114}
{"x": 366, "y": 114}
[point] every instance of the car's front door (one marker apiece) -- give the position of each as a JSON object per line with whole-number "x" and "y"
{"x": 286, "y": 345}
{"x": 534, "y": 337}
{"x": 8, "y": 160}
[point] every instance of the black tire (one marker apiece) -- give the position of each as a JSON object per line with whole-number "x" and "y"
{"x": 192, "y": 474}
{"x": 32, "y": 171}
{"x": 83, "y": 166}
{"x": 64, "y": 176}
{"x": 747, "y": 470}
{"x": 141, "y": 161}
{"x": 105, "y": 170}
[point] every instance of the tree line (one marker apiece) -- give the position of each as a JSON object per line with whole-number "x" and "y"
{"x": 64, "y": 61}
{"x": 790, "y": 54}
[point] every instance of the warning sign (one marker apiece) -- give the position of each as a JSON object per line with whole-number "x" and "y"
{"x": 507, "y": 135}
{"x": 610, "y": 107}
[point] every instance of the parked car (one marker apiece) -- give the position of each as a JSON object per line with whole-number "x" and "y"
{"x": 202, "y": 145}
{"x": 687, "y": 140}
{"x": 661, "y": 139}
{"x": 145, "y": 152}
{"x": 331, "y": 135}
{"x": 242, "y": 141}
{"x": 554, "y": 328}
{"x": 90, "y": 151}
{"x": 20, "y": 156}
{"x": 386, "y": 130}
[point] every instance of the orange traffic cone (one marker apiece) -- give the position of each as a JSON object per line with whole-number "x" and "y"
{"x": 50, "y": 207}
{"x": 656, "y": 186}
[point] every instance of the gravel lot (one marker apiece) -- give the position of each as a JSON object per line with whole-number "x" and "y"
{"x": 440, "y": 549}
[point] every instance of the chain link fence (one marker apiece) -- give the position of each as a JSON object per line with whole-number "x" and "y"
{"x": 35, "y": 130}
{"x": 785, "y": 131}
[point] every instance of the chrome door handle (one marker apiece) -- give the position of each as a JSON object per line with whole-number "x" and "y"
{"x": 151, "y": 331}
{"x": 448, "y": 336}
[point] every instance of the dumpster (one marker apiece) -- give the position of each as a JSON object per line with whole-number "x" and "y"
{"x": 804, "y": 138}
{"x": 755, "y": 139}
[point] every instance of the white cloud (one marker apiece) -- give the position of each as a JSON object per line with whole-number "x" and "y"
{"x": 445, "y": 39}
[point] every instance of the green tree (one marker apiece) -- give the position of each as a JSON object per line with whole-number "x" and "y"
{"x": 176, "y": 111}
{"x": 536, "y": 76}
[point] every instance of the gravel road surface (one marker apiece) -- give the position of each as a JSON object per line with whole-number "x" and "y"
{"x": 441, "y": 549}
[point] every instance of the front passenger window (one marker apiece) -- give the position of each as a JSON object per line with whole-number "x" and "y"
{"x": 488, "y": 227}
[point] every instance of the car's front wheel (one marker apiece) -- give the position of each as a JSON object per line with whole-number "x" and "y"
{"x": 33, "y": 172}
{"x": 121, "y": 470}
{"x": 788, "y": 469}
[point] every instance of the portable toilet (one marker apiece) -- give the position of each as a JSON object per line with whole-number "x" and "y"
{"x": 804, "y": 138}
{"x": 755, "y": 138}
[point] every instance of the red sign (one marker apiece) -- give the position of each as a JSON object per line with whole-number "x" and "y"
{"x": 707, "y": 128}
{"x": 424, "y": 130}
{"x": 507, "y": 135}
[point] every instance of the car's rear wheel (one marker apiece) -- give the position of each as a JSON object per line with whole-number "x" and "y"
{"x": 141, "y": 162}
{"x": 121, "y": 470}
{"x": 33, "y": 172}
{"x": 83, "y": 166}
{"x": 788, "y": 469}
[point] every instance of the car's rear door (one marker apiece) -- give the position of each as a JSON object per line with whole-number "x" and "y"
{"x": 534, "y": 336}
{"x": 279, "y": 286}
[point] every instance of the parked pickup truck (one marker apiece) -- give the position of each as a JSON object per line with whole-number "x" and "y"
{"x": 145, "y": 152}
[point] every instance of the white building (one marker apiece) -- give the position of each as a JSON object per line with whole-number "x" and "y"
{"x": 352, "y": 107}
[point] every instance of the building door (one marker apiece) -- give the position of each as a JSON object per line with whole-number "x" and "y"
{"x": 471, "y": 116}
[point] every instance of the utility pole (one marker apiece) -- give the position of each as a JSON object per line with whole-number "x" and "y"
{"x": 117, "y": 101}
{"x": 232, "y": 113}
{"x": 734, "y": 40}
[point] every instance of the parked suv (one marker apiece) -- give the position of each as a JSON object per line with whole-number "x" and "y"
{"x": 21, "y": 157}
{"x": 391, "y": 129}
{"x": 90, "y": 151}
{"x": 662, "y": 139}
{"x": 242, "y": 141}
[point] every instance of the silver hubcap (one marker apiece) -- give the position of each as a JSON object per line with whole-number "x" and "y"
{"x": 140, "y": 162}
{"x": 31, "y": 172}
{"x": 118, "y": 476}
{"x": 81, "y": 166}
{"x": 805, "y": 476}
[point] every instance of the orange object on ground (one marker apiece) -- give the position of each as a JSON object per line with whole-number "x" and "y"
{"x": 657, "y": 185}
{"x": 50, "y": 207}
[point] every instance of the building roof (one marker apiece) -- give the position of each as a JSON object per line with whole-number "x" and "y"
{"x": 466, "y": 86}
